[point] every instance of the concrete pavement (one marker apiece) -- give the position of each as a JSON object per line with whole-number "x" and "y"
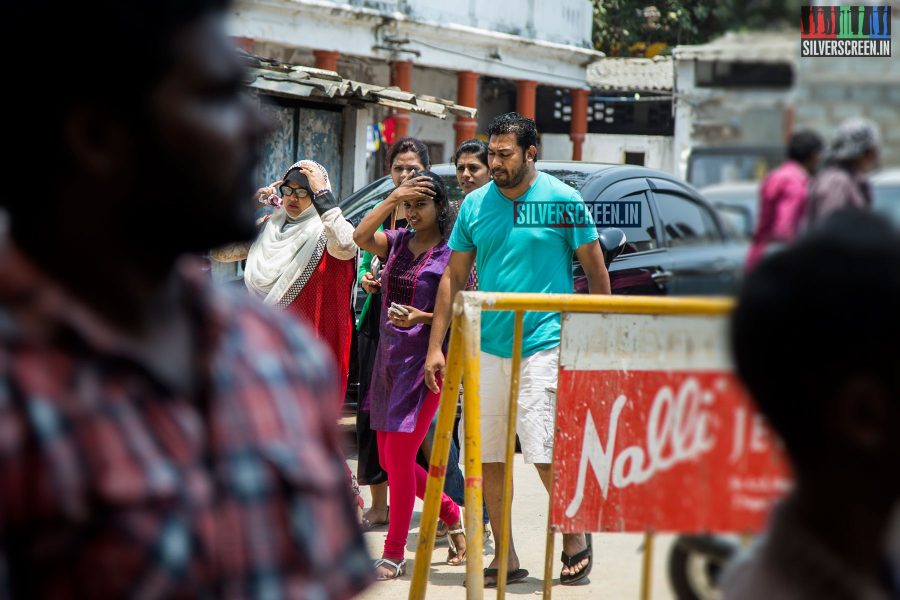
{"x": 617, "y": 557}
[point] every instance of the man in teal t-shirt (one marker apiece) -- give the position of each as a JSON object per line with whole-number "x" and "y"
{"x": 521, "y": 231}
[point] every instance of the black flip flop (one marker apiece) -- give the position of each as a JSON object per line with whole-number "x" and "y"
{"x": 572, "y": 561}
{"x": 511, "y": 576}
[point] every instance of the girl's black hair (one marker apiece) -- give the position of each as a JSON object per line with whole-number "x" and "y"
{"x": 408, "y": 144}
{"x": 446, "y": 213}
{"x": 473, "y": 146}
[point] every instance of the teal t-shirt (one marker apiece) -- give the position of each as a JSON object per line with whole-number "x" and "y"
{"x": 523, "y": 245}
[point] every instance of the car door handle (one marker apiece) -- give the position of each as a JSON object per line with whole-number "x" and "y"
{"x": 661, "y": 276}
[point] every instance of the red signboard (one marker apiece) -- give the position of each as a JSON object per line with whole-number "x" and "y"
{"x": 678, "y": 449}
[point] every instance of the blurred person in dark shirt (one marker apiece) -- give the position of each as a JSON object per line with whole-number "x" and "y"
{"x": 843, "y": 183}
{"x": 823, "y": 364}
{"x": 159, "y": 438}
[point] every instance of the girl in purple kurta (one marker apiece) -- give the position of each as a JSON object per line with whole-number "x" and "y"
{"x": 400, "y": 405}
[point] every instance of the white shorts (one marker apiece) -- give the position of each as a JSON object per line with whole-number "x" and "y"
{"x": 537, "y": 406}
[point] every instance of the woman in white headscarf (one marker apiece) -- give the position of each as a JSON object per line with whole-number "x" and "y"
{"x": 304, "y": 257}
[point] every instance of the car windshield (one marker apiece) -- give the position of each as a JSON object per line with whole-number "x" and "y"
{"x": 361, "y": 201}
{"x": 724, "y": 167}
{"x": 737, "y": 206}
{"x": 746, "y": 198}
{"x": 573, "y": 179}
{"x": 736, "y": 219}
{"x": 887, "y": 201}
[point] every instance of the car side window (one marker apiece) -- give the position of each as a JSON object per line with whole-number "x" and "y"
{"x": 642, "y": 236}
{"x": 685, "y": 221}
{"x": 358, "y": 205}
{"x": 454, "y": 192}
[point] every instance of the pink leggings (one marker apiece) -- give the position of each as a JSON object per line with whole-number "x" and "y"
{"x": 397, "y": 454}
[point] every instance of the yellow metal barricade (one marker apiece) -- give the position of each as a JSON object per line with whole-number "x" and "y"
{"x": 463, "y": 359}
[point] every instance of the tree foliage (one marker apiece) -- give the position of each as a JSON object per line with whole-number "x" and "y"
{"x": 646, "y": 27}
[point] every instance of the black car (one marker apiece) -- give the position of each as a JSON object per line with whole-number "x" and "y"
{"x": 680, "y": 246}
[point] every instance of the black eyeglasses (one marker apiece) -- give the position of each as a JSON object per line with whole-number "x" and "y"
{"x": 287, "y": 190}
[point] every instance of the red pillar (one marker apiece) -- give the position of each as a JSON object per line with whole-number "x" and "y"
{"x": 466, "y": 95}
{"x": 526, "y": 97}
{"x": 789, "y": 116}
{"x": 244, "y": 43}
{"x": 578, "y": 130}
{"x": 326, "y": 59}
{"x": 401, "y": 77}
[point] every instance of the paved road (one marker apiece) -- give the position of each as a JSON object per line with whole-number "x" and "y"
{"x": 617, "y": 560}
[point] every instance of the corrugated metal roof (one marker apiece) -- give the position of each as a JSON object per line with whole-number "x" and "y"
{"x": 745, "y": 46}
{"x": 297, "y": 81}
{"x": 639, "y": 74}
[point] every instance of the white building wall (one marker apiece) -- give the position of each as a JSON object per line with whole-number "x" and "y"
{"x": 684, "y": 114}
{"x": 709, "y": 116}
{"x": 429, "y": 129}
{"x": 354, "y": 173}
{"x": 555, "y": 146}
{"x": 355, "y": 30}
{"x": 610, "y": 148}
{"x": 561, "y": 21}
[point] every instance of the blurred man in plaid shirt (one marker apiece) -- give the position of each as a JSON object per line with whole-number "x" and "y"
{"x": 158, "y": 438}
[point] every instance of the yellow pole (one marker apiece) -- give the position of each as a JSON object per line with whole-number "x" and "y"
{"x": 471, "y": 350}
{"x": 647, "y": 568}
{"x": 506, "y": 519}
{"x": 548, "y": 551}
{"x": 439, "y": 455}
{"x": 600, "y": 304}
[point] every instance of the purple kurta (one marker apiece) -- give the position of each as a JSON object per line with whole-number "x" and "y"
{"x": 398, "y": 389}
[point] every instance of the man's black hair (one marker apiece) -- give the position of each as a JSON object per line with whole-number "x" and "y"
{"x": 804, "y": 144}
{"x": 813, "y": 316}
{"x": 107, "y": 54}
{"x": 524, "y": 129}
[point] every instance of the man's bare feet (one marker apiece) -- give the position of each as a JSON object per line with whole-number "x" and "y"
{"x": 511, "y": 567}
{"x": 574, "y": 545}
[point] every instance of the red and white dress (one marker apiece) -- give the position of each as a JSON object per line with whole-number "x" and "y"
{"x": 307, "y": 266}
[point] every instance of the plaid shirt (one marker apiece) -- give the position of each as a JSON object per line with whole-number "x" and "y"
{"x": 113, "y": 484}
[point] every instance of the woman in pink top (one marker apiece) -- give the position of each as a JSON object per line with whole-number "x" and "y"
{"x": 782, "y": 196}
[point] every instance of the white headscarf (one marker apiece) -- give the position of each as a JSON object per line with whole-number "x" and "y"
{"x": 855, "y": 137}
{"x": 287, "y": 251}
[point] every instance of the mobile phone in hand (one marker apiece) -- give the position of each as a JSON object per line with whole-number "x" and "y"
{"x": 399, "y": 309}
{"x": 376, "y": 268}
